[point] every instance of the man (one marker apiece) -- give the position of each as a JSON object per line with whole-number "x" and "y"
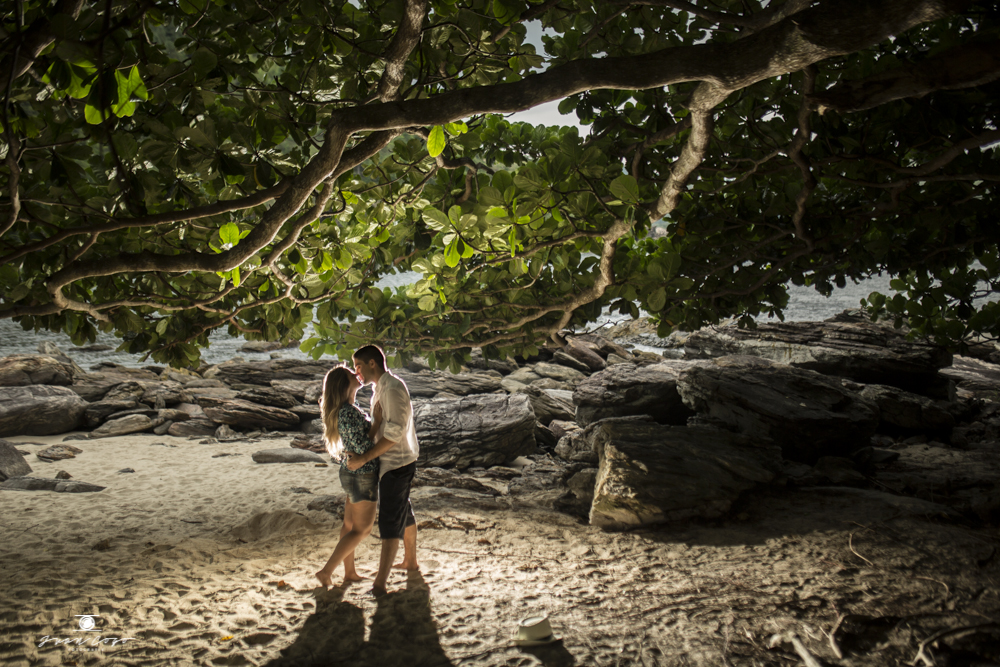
{"x": 397, "y": 450}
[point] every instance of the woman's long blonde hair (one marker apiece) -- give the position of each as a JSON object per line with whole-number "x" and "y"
{"x": 336, "y": 391}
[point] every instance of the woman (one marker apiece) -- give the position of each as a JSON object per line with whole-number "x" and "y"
{"x": 347, "y": 429}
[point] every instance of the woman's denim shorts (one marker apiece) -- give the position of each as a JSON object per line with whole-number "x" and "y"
{"x": 359, "y": 487}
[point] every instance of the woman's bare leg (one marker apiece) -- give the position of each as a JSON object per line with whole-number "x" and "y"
{"x": 358, "y": 521}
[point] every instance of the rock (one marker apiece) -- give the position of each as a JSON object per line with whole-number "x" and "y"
{"x": 615, "y": 359}
{"x": 307, "y": 411}
{"x": 124, "y": 425}
{"x": 245, "y": 414}
{"x": 172, "y": 414}
{"x": 431, "y": 383}
{"x": 267, "y": 346}
{"x": 584, "y": 352}
{"x": 561, "y": 428}
{"x": 839, "y": 471}
{"x": 193, "y": 410}
{"x": 298, "y": 388}
{"x": 901, "y": 411}
{"x": 511, "y": 386}
{"x": 312, "y": 427}
{"x": 269, "y": 396}
{"x": 198, "y": 393}
{"x": 94, "y": 348}
{"x": 130, "y": 391}
{"x": 549, "y": 383}
{"x": 224, "y": 433}
{"x": 575, "y": 447}
{"x": 263, "y": 373}
{"x": 45, "y": 484}
{"x": 313, "y": 443}
{"x": 630, "y": 389}
{"x": 845, "y": 346}
{"x": 477, "y": 362}
{"x": 12, "y": 463}
{"x": 582, "y": 484}
{"x": 181, "y": 376}
{"x": 483, "y": 430}
{"x": 524, "y": 376}
{"x": 564, "y": 359}
{"x": 979, "y": 377}
{"x": 95, "y": 413}
{"x": 62, "y": 474}
{"x": 603, "y": 346}
{"x": 548, "y": 406}
{"x": 58, "y": 453}
{"x": 39, "y": 410}
{"x": 451, "y": 480}
{"x": 21, "y": 370}
{"x": 332, "y": 504}
{"x": 162, "y": 394}
{"x": 650, "y": 473}
{"x": 192, "y": 427}
{"x": 163, "y": 428}
{"x": 558, "y": 373}
{"x": 287, "y": 455}
{"x": 807, "y": 414}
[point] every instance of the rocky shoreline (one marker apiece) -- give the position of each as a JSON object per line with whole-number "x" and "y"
{"x": 618, "y": 437}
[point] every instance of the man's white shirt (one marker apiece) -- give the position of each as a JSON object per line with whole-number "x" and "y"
{"x": 397, "y": 423}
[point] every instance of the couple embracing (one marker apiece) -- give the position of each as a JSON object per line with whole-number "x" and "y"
{"x": 378, "y": 458}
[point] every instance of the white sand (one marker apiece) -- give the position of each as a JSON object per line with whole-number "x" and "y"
{"x": 177, "y": 581}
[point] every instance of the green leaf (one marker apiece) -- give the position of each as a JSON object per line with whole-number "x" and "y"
{"x": 657, "y": 300}
{"x": 626, "y": 189}
{"x": 436, "y": 141}
{"x": 452, "y": 256}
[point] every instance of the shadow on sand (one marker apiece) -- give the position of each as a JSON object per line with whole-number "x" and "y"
{"x": 402, "y": 632}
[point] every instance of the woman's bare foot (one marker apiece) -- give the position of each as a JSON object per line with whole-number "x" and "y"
{"x": 324, "y": 579}
{"x": 353, "y": 578}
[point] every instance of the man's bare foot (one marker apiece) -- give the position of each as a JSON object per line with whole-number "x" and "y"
{"x": 325, "y": 579}
{"x": 378, "y": 591}
{"x": 409, "y": 566}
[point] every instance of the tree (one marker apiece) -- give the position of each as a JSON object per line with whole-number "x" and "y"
{"x": 171, "y": 168}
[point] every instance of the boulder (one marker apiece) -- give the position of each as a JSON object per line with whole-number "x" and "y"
{"x": 287, "y": 455}
{"x": 478, "y": 362}
{"x": 135, "y": 423}
{"x": 58, "y": 453}
{"x": 428, "y": 384}
{"x": 650, "y": 473}
{"x": 264, "y": 372}
{"x": 46, "y": 484}
{"x": 523, "y": 376}
{"x": 846, "y": 346}
{"x": 312, "y": 427}
{"x": 903, "y": 412}
{"x": 313, "y": 443}
{"x": 559, "y": 373}
{"x": 451, "y": 480}
{"x": 582, "y": 484}
{"x": 979, "y": 377}
{"x": 245, "y": 414}
{"x": 269, "y": 396}
{"x": 193, "y": 427}
{"x": 21, "y": 370}
{"x": 483, "y": 430}
{"x": 306, "y": 411}
{"x": 549, "y": 404}
{"x": 564, "y": 359}
{"x": 12, "y": 463}
{"x": 162, "y": 394}
{"x": 584, "y": 352}
{"x": 807, "y": 414}
{"x": 97, "y": 412}
{"x": 298, "y": 388}
{"x": 603, "y": 346}
{"x": 630, "y": 389}
{"x": 39, "y": 410}
{"x": 125, "y": 391}
{"x": 262, "y": 346}
{"x": 197, "y": 393}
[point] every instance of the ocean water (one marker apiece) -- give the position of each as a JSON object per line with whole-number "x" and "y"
{"x": 805, "y": 304}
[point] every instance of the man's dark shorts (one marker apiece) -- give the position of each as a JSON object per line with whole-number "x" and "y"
{"x": 394, "y": 510}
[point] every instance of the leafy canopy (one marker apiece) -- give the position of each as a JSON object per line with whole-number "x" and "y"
{"x": 173, "y": 168}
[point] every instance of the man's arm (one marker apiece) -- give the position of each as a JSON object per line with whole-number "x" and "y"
{"x": 396, "y": 409}
{"x": 355, "y": 461}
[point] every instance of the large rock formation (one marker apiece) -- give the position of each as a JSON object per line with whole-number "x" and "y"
{"x": 264, "y": 372}
{"x": 428, "y": 384}
{"x": 650, "y": 473}
{"x": 845, "y": 346}
{"x": 21, "y": 370}
{"x": 629, "y": 389}
{"x": 12, "y": 463}
{"x": 39, "y": 410}
{"x": 903, "y": 412}
{"x": 483, "y": 430}
{"x": 809, "y": 415}
{"x": 247, "y": 415}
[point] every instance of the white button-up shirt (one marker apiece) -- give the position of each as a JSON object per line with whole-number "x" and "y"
{"x": 397, "y": 423}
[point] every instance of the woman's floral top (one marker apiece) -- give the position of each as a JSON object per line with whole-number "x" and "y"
{"x": 353, "y": 426}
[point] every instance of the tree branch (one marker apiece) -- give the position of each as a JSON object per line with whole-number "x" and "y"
{"x": 398, "y": 52}
{"x": 961, "y": 67}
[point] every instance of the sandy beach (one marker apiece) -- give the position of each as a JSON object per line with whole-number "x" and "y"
{"x": 203, "y": 557}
